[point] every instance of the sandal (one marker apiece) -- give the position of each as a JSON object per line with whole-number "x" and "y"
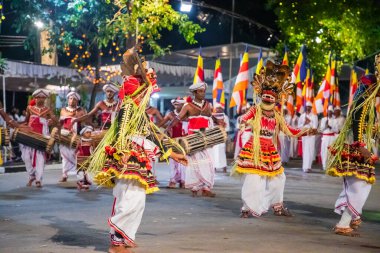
{"x": 282, "y": 211}
{"x": 244, "y": 214}
{"x": 355, "y": 224}
{"x": 345, "y": 232}
{"x": 206, "y": 193}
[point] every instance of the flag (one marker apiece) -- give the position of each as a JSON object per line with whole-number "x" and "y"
{"x": 199, "y": 76}
{"x": 353, "y": 86}
{"x": 321, "y": 101}
{"x": 217, "y": 87}
{"x": 285, "y": 60}
{"x": 238, "y": 97}
{"x": 260, "y": 62}
{"x": 299, "y": 73}
{"x": 290, "y": 105}
{"x": 334, "y": 93}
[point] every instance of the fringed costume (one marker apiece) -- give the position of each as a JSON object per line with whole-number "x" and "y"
{"x": 122, "y": 160}
{"x": 353, "y": 161}
{"x": 259, "y": 159}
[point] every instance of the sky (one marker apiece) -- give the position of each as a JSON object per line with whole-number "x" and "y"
{"x": 217, "y": 30}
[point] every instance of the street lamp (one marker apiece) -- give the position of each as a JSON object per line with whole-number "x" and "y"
{"x": 186, "y": 6}
{"x": 39, "y": 24}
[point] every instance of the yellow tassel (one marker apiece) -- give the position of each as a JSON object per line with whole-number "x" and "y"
{"x": 166, "y": 155}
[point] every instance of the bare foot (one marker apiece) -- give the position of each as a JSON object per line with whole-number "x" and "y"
{"x": 63, "y": 179}
{"x": 38, "y": 184}
{"x": 346, "y": 232}
{"x": 29, "y": 184}
{"x": 118, "y": 249}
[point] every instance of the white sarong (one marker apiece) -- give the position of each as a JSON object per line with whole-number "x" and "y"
{"x": 259, "y": 193}
{"x": 200, "y": 171}
{"x": 219, "y": 157}
{"x": 308, "y": 152}
{"x": 34, "y": 162}
{"x": 353, "y": 196}
{"x": 177, "y": 172}
{"x": 69, "y": 160}
{"x": 128, "y": 209}
{"x": 327, "y": 140}
{"x": 285, "y": 147}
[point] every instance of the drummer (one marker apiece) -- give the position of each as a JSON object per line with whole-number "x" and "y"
{"x": 84, "y": 150}
{"x": 108, "y": 107}
{"x": 67, "y": 116}
{"x": 38, "y": 118}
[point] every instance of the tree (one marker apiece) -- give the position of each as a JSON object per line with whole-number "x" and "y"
{"x": 87, "y": 30}
{"x": 349, "y": 28}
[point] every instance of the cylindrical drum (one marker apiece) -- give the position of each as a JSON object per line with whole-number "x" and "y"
{"x": 4, "y": 136}
{"x": 35, "y": 140}
{"x": 97, "y": 136}
{"x": 69, "y": 139}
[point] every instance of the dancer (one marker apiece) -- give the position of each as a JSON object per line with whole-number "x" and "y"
{"x": 354, "y": 162}
{"x": 200, "y": 172}
{"x": 67, "y": 116}
{"x": 123, "y": 159}
{"x": 37, "y": 118}
{"x": 259, "y": 160}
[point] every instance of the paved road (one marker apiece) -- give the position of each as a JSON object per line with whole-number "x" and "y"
{"x": 58, "y": 218}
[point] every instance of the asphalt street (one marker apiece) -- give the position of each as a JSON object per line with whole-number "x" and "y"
{"x": 58, "y": 218}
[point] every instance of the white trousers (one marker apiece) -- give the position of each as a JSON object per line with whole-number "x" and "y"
{"x": 325, "y": 143}
{"x": 285, "y": 148}
{"x": 31, "y": 157}
{"x": 128, "y": 209}
{"x": 353, "y": 196}
{"x": 177, "y": 172}
{"x": 219, "y": 156}
{"x": 259, "y": 193}
{"x": 293, "y": 147}
{"x": 200, "y": 171}
{"x": 308, "y": 152}
{"x": 69, "y": 161}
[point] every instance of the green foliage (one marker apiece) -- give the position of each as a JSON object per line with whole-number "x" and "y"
{"x": 349, "y": 28}
{"x": 101, "y": 23}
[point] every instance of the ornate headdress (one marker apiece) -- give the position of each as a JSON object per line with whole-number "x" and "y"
{"x": 273, "y": 81}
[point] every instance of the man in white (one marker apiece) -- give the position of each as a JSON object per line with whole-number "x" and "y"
{"x": 285, "y": 140}
{"x": 328, "y": 135}
{"x": 293, "y": 153}
{"x": 308, "y": 120}
{"x": 67, "y": 115}
{"x": 220, "y": 158}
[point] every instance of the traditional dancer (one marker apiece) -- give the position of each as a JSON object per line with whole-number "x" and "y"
{"x": 308, "y": 120}
{"x": 177, "y": 170}
{"x": 108, "y": 107}
{"x": 200, "y": 172}
{"x": 328, "y": 134}
{"x": 122, "y": 159}
{"x": 219, "y": 151}
{"x": 353, "y": 161}
{"x": 84, "y": 150}
{"x": 37, "y": 118}
{"x": 67, "y": 116}
{"x": 259, "y": 160}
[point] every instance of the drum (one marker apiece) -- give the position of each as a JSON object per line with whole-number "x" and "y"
{"x": 35, "y": 140}
{"x": 199, "y": 140}
{"x": 4, "y": 136}
{"x": 97, "y": 136}
{"x": 68, "y": 139}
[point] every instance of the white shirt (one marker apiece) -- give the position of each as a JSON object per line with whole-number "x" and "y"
{"x": 327, "y": 125}
{"x": 338, "y": 124}
{"x": 313, "y": 121}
